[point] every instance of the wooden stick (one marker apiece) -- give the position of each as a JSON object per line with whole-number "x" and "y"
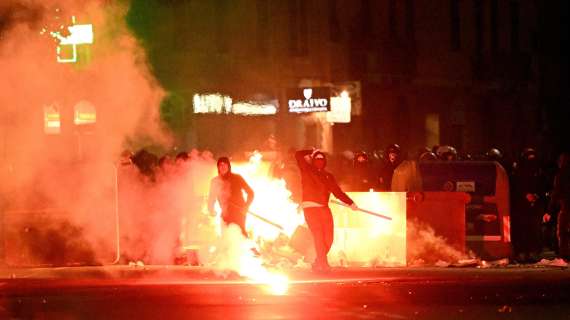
{"x": 362, "y": 210}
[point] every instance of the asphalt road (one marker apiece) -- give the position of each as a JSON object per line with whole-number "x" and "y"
{"x": 160, "y": 292}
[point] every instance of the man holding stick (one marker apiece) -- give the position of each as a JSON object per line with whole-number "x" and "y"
{"x": 227, "y": 188}
{"x": 317, "y": 185}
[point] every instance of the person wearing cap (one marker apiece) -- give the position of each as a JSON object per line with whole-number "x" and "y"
{"x": 227, "y": 188}
{"x": 317, "y": 185}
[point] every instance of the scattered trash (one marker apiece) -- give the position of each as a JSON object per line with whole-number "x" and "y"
{"x": 552, "y": 263}
{"x": 136, "y": 264}
{"x": 493, "y": 264}
{"x": 302, "y": 264}
{"x": 505, "y": 309}
{"x": 442, "y": 264}
{"x": 465, "y": 263}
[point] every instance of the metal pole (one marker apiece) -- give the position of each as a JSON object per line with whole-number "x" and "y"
{"x": 117, "y": 233}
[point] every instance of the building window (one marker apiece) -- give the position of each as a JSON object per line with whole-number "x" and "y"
{"x": 392, "y": 20}
{"x": 84, "y": 113}
{"x": 410, "y": 22}
{"x": 478, "y": 12}
{"x": 334, "y": 24}
{"x": 221, "y": 9}
{"x": 262, "y": 25}
{"x": 494, "y": 26}
{"x": 365, "y": 19}
{"x": 478, "y": 55}
{"x": 52, "y": 120}
{"x": 455, "y": 25}
{"x": 298, "y": 28}
{"x": 514, "y": 6}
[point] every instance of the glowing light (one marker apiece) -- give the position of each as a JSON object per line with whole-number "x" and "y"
{"x": 252, "y": 267}
{"x": 84, "y": 113}
{"x": 217, "y": 103}
{"x": 78, "y": 34}
{"x": 272, "y": 200}
{"x": 341, "y": 108}
{"x": 212, "y": 103}
{"x": 278, "y": 284}
{"x": 247, "y": 108}
{"x": 52, "y": 122}
{"x": 362, "y": 239}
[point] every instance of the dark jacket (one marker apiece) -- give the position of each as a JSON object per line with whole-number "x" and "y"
{"x": 386, "y": 173}
{"x": 560, "y": 195}
{"x": 228, "y": 192}
{"x": 318, "y": 184}
{"x": 527, "y": 179}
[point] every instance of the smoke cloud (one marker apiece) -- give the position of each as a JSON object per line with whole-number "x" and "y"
{"x": 59, "y": 190}
{"x": 425, "y": 247}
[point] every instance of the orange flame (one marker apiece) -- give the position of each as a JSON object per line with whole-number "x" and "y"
{"x": 272, "y": 201}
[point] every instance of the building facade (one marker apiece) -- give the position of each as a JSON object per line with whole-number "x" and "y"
{"x": 456, "y": 72}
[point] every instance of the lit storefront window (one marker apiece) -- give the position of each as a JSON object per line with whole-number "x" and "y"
{"x": 52, "y": 120}
{"x": 217, "y": 103}
{"x": 212, "y": 103}
{"x": 84, "y": 113}
{"x": 341, "y": 108}
{"x": 248, "y": 108}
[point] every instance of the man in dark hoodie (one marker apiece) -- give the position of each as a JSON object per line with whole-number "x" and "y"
{"x": 317, "y": 185}
{"x": 560, "y": 201}
{"x": 227, "y": 188}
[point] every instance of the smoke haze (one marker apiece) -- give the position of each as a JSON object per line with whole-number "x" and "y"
{"x": 65, "y": 183}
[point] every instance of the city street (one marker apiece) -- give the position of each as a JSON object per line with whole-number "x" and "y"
{"x": 169, "y": 292}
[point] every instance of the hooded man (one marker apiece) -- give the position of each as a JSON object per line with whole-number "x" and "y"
{"x": 317, "y": 185}
{"x": 227, "y": 188}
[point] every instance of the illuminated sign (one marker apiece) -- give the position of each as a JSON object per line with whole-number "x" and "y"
{"x": 353, "y": 88}
{"x": 217, "y": 103}
{"x": 248, "y": 108}
{"x": 212, "y": 103}
{"x": 78, "y": 34}
{"x": 308, "y": 100}
{"x": 340, "y": 109}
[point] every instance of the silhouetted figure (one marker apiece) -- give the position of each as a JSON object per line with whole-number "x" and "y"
{"x": 392, "y": 159}
{"x": 560, "y": 202}
{"x": 146, "y": 162}
{"x": 527, "y": 194}
{"x": 362, "y": 174}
